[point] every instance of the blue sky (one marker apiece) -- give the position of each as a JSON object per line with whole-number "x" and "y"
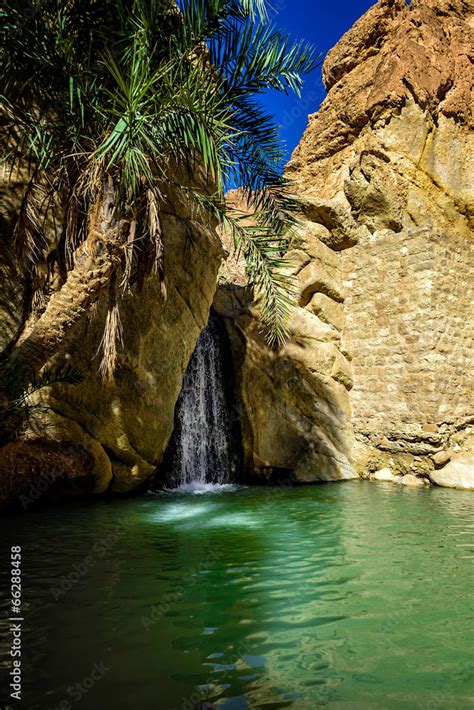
{"x": 321, "y": 22}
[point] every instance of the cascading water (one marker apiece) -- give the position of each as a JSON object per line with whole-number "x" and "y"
{"x": 202, "y": 445}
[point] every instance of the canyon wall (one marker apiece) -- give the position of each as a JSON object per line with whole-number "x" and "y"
{"x": 132, "y": 416}
{"x": 381, "y": 347}
{"x": 392, "y": 147}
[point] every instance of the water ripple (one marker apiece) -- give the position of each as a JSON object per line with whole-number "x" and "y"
{"x": 351, "y": 596}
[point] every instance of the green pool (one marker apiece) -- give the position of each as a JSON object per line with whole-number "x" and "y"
{"x": 355, "y": 595}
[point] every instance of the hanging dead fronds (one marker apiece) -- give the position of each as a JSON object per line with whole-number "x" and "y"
{"x": 93, "y": 310}
{"x": 154, "y": 229}
{"x": 112, "y": 335}
{"x": 38, "y": 302}
{"x": 126, "y": 281}
{"x": 75, "y": 232}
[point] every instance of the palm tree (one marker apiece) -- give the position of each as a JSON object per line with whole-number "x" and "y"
{"x": 109, "y": 108}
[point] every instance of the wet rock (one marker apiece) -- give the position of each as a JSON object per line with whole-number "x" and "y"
{"x": 40, "y": 469}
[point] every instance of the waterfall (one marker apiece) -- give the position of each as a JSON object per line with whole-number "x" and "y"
{"x": 201, "y": 449}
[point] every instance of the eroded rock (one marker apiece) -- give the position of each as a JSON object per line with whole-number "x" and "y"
{"x": 123, "y": 426}
{"x": 294, "y": 402}
{"x": 132, "y": 417}
{"x": 410, "y": 480}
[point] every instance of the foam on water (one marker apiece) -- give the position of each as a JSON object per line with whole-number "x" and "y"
{"x": 198, "y": 488}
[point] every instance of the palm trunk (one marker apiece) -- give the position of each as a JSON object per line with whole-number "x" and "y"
{"x": 94, "y": 263}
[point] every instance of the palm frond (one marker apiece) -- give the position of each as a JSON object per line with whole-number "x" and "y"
{"x": 263, "y": 252}
{"x": 140, "y": 92}
{"x": 64, "y": 374}
{"x": 17, "y": 408}
{"x": 254, "y": 9}
{"x": 11, "y": 381}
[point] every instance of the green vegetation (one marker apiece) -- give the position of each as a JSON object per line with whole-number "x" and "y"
{"x": 109, "y": 108}
{"x": 16, "y": 407}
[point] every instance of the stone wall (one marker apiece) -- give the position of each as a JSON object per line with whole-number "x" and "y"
{"x": 409, "y": 321}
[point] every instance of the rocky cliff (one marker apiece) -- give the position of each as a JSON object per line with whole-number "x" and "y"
{"x": 378, "y": 373}
{"x": 294, "y": 401}
{"x": 109, "y": 436}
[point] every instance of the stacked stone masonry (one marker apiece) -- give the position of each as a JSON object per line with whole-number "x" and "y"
{"x": 409, "y": 320}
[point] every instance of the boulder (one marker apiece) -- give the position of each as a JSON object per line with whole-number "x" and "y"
{"x": 42, "y": 468}
{"x": 122, "y": 427}
{"x": 294, "y": 411}
{"x": 410, "y": 480}
{"x": 385, "y": 475}
{"x": 132, "y": 416}
{"x": 456, "y": 474}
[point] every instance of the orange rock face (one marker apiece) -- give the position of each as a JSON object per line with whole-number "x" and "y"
{"x": 395, "y": 51}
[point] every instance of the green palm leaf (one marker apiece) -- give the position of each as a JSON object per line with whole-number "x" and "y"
{"x": 134, "y": 88}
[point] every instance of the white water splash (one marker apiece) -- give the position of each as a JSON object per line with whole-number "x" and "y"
{"x": 198, "y": 488}
{"x": 202, "y": 456}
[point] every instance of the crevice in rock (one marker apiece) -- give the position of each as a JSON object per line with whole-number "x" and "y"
{"x": 312, "y": 290}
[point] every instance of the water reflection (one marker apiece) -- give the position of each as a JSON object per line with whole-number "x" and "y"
{"x": 344, "y": 596}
